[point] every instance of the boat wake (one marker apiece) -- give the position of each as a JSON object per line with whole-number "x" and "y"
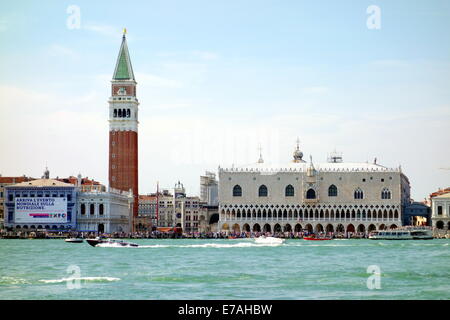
{"x": 83, "y": 279}
{"x": 213, "y": 245}
{"x": 114, "y": 245}
{"x": 12, "y": 280}
{"x": 323, "y": 245}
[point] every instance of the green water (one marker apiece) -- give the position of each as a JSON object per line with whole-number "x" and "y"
{"x": 225, "y": 269}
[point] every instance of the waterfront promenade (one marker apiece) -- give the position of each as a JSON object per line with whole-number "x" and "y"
{"x": 165, "y": 235}
{"x": 197, "y": 235}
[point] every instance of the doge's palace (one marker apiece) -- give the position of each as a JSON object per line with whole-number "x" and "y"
{"x": 335, "y": 196}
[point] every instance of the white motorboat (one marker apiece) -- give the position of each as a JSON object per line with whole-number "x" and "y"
{"x": 74, "y": 240}
{"x": 98, "y": 242}
{"x": 402, "y": 234}
{"x": 269, "y": 240}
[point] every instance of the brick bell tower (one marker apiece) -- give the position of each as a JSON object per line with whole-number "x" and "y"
{"x": 123, "y": 127}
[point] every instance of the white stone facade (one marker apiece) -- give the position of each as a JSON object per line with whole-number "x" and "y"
{"x": 166, "y": 212}
{"x": 105, "y": 212}
{"x": 440, "y": 211}
{"x": 181, "y": 212}
{"x": 191, "y": 215}
{"x": 301, "y": 196}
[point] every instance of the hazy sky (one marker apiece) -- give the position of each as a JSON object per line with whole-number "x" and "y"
{"x": 218, "y": 78}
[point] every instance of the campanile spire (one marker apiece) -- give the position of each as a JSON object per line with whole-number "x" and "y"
{"x": 123, "y": 70}
{"x": 123, "y": 126}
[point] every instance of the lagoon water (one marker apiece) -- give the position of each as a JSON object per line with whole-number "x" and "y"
{"x": 225, "y": 269}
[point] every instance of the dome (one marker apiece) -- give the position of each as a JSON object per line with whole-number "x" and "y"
{"x": 298, "y": 155}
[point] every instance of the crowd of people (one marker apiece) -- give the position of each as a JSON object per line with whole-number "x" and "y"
{"x": 174, "y": 235}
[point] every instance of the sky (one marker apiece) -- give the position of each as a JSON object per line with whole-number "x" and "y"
{"x": 218, "y": 79}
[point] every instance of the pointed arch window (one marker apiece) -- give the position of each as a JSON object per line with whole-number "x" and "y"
{"x": 115, "y": 113}
{"x": 385, "y": 194}
{"x": 120, "y": 113}
{"x": 237, "y": 191}
{"x": 262, "y": 192}
{"x": 359, "y": 194}
{"x": 311, "y": 194}
{"x": 332, "y": 191}
{"x": 289, "y": 191}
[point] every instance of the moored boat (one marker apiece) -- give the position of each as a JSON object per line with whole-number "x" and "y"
{"x": 422, "y": 234}
{"x": 316, "y": 239}
{"x": 402, "y": 234}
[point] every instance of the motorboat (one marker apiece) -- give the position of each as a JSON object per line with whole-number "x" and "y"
{"x": 98, "y": 242}
{"x": 74, "y": 240}
{"x": 400, "y": 234}
{"x": 269, "y": 240}
{"x": 94, "y": 242}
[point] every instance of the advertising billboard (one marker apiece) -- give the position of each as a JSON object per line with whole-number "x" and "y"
{"x": 40, "y": 210}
